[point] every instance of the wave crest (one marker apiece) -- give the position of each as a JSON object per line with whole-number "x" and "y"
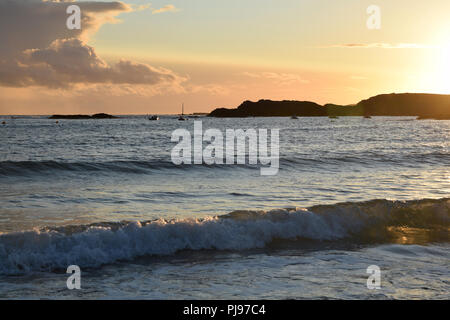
{"x": 101, "y": 243}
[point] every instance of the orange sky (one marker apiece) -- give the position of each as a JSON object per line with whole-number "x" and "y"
{"x": 140, "y": 59}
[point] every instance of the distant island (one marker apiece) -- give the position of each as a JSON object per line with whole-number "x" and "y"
{"x": 83, "y": 116}
{"x": 424, "y": 106}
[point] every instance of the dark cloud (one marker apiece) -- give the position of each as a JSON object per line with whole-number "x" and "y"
{"x": 38, "y": 50}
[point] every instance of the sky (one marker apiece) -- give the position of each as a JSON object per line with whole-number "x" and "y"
{"x": 141, "y": 57}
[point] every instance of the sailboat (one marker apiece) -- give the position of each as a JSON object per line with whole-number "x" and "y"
{"x": 181, "y": 118}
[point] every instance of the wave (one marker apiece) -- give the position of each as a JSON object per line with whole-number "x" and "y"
{"x": 8, "y": 168}
{"x": 27, "y": 168}
{"x": 97, "y": 244}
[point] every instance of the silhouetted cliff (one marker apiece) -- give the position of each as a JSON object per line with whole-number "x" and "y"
{"x": 269, "y": 108}
{"x": 405, "y": 104}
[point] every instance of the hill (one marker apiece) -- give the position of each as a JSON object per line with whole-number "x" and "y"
{"x": 404, "y": 104}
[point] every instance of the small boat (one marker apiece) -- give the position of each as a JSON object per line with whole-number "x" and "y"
{"x": 333, "y": 117}
{"x": 181, "y": 118}
{"x": 294, "y": 117}
{"x": 367, "y": 117}
{"x": 153, "y": 118}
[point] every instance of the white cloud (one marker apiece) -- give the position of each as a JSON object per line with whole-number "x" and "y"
{"x": 282, "y": 78}
{"x": 381, "y": 45}
{"x": 166, "y": 8}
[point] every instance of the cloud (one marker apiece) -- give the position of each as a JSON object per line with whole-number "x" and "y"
{"x": 211, "y": 89}
{"x": 26, "y": 24}
{"x": 166, "y": 8}
{"x": 380, "y": 45}
{"x": 282, "y": 78}
{"x": 70, "y": 61}
{"x": 38, "y": 50}
{"x": 143, "y": 7}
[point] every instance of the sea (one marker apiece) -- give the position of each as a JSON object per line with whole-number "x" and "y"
{"x": 352, "y": 195}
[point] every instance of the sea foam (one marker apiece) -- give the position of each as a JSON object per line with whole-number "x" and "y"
{"x": 102, "y": 243}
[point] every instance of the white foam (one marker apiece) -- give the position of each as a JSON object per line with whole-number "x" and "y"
{"x": 46, "y": 250}
{"x": 92, "y": 246}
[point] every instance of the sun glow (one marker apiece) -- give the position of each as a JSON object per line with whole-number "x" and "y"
{"x": 443, "y": 69}
{"x": 437, "y": 79}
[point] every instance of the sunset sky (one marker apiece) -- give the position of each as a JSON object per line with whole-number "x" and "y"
{"x": 137, "y": 57}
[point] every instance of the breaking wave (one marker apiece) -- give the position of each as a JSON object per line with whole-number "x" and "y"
{"x": 103, "y": 243}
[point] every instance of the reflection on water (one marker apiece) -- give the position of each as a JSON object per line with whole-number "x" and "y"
{"x": 422, "y": 236}
{"x": 82, "y": 172}
{"x": 92, "y": 171}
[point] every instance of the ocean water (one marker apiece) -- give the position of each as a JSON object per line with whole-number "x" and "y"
{"x": 104, "y": 195}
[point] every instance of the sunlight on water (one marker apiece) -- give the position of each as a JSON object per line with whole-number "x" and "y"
{"x": 105, "y": 196}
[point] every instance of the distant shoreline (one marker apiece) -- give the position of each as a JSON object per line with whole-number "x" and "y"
{"x": 83, "y": 116}
{"x": 424, "y": 106}
{"x": 420, "y": 105}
